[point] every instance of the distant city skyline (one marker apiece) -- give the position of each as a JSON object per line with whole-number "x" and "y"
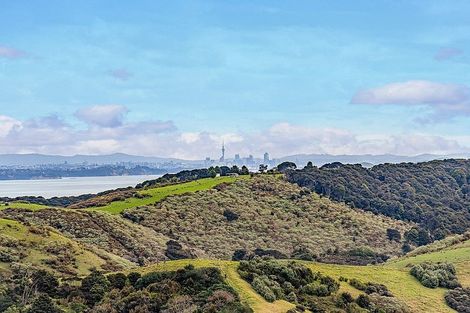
{"x": 177, "y": 78}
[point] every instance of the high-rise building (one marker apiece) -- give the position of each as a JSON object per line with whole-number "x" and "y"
{"x": 266, "y": 158}
{"x": 222, "y": 158}
{"x": 237, "y": 158}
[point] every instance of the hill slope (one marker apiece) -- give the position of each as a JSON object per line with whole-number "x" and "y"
{"x": 98, "y": 230}
{"x": 47, "y": 249}
{"x": 434, "y": 194}
{"x": 262, "y": 212}
{"x": 267, "y": 213}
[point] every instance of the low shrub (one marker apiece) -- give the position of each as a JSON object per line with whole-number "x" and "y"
{"x": 370, "y": 288}
{"x": 433, "y": 275}
{"x": 459, "y": 299}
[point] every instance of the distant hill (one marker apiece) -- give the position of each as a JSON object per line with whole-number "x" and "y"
{"x": 43, "y": 159}
{"x": 365, "y": 159}
{"x": 299, "y": 159}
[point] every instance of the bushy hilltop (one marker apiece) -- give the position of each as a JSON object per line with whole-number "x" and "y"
{"x": 435, "y": 194}
{"x": 267, "y": 215}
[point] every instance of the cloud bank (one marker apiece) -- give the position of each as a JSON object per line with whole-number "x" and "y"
{"x": 108, "y": 131}
{"x": 445, "y": 100}
{"x": 110, "y": 115}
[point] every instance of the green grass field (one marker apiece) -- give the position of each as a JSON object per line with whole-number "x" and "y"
{"x": 404, "y": 286}
{"x": 22, "y": 205}
{"x": 153, "y": 195}
{"x": 394, "y": 274}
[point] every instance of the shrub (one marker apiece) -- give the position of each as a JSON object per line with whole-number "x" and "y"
{"x": 43, "y": 304}
{"x": 260, "y": 286}
{"x": 459, "y": 299}
{"x": 426, "y": 193}
{"x": 94, "y": 287}
{"x": 371, "y": 288}
{"x": 292, "y": 297}
{"x": 230, "y": 215}
{"x": 363, "y": 301}
{"x": 117, "y": 281}
{"x": 289, "y": 281}
{"x": 133, "y": 277}
{"x": 433, "y": 275}
{"x": 393, "y": 234}
{"x": 45, "y": 282}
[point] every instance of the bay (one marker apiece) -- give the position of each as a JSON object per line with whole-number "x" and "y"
{"x": 68, "y": 186}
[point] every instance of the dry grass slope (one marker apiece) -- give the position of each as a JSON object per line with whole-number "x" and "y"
{"x": 270, "y": 213}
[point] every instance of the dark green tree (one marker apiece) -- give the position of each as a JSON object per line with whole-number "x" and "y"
{"x": 284, "y": 166}
{"x": 263, "y": 168}
{"x": 133, "y": 277}
{"x": 117, "y": 281}
{"x": 43, "y": 304}
{"x": 94, "y": 287}
{"x": 393, "y": 235}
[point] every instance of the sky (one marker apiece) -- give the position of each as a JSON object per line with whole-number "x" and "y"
{"x": 178, "y": 78}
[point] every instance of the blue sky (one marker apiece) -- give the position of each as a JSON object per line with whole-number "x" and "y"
{"x": 175, "y": 78}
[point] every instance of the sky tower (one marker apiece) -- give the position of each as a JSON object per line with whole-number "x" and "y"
{"x": 222, "y": 158}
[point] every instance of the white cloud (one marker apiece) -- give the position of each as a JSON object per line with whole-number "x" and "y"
{"x": 446, "y": 100}
{"x": 6, "y": 124}
{"x": 52, "y": 135}
{"x": 110, "y": 115}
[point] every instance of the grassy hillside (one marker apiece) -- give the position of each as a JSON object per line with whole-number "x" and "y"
{"x": 44, "y": 248}
{"x": 152, "y": 195}
{"x": 455, "y": 250}
{"x": 98, "y": 230}
{"x": 22, "y": 205}
{"x": 398, "y": 280}
{"x": 267, "y": 212}
{"x": 394, "y": 274}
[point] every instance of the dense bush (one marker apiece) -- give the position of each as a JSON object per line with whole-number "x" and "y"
{"x": 370, "y": 287}
{"x": 459, "y": 299}
{"x": 185, "y": 290}
{"x": 289, "y": 281}
{"x": 433, "y": 275}
{"x": 433, "y": 194}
